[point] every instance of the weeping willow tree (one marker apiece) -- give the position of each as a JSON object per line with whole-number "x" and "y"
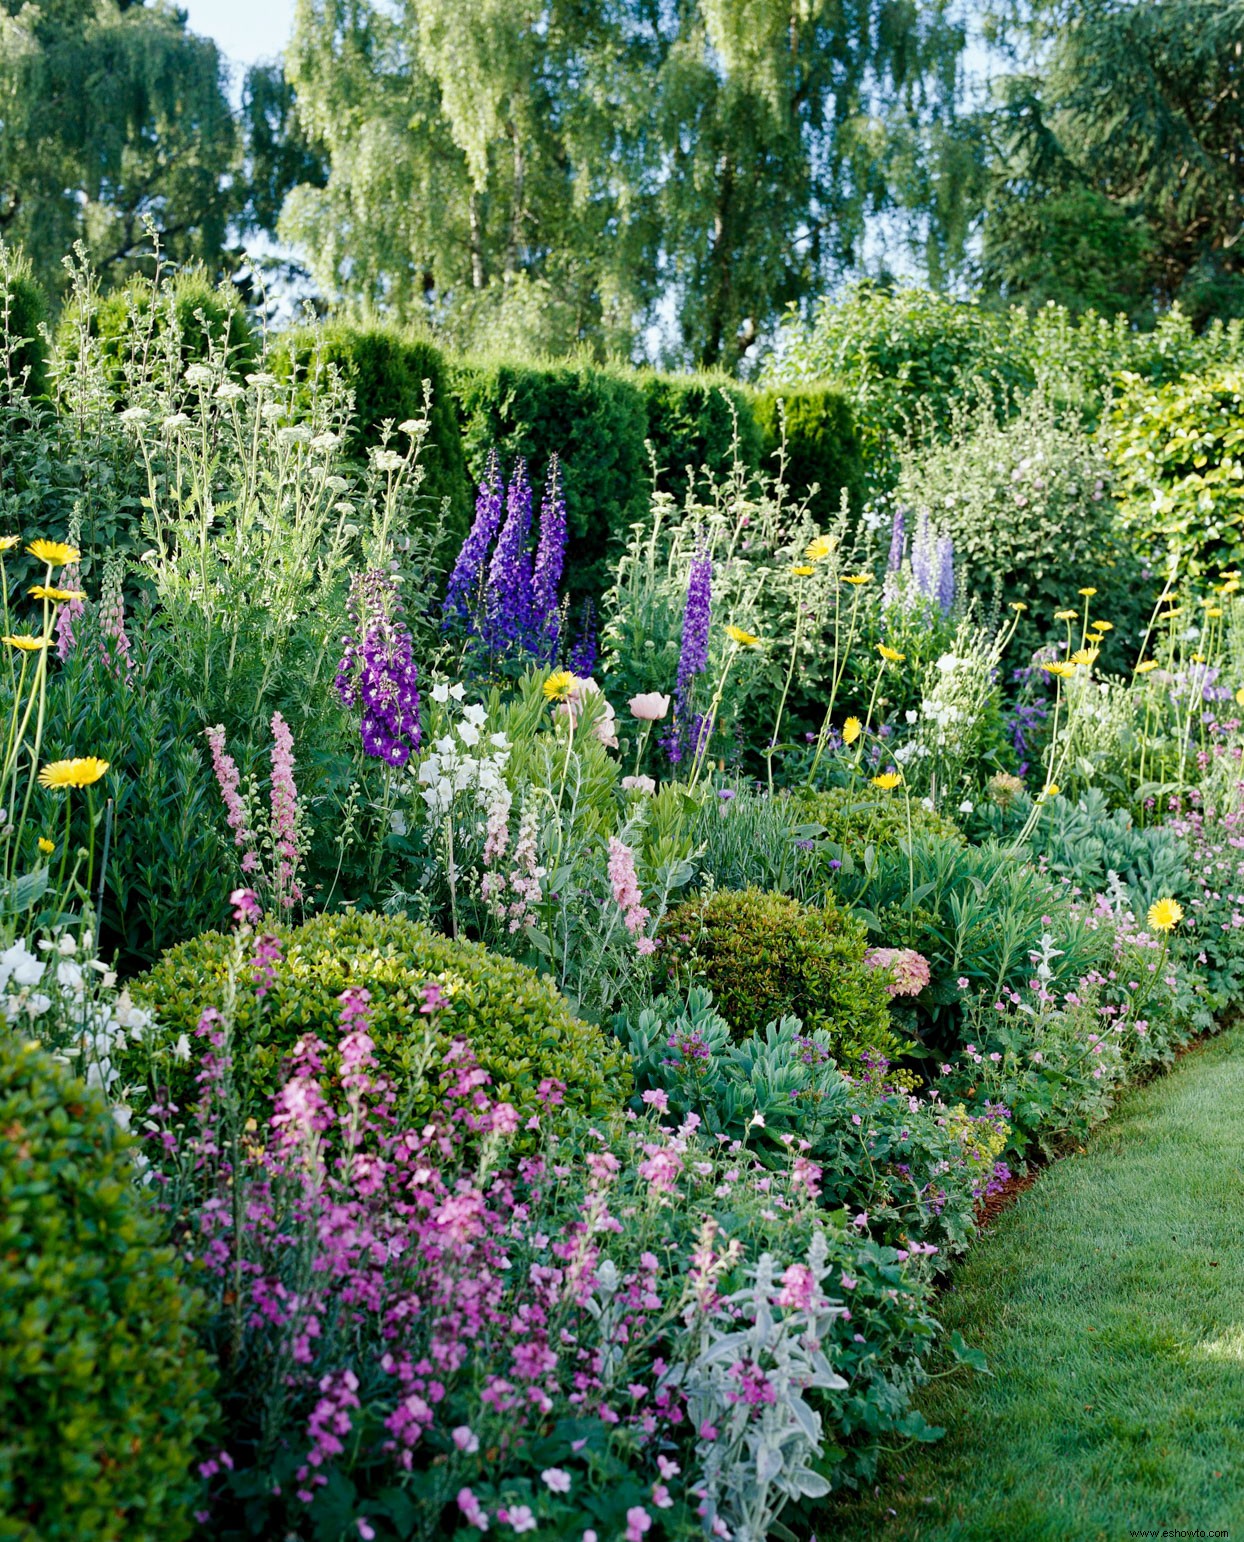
{"x": 111, "y": 114}
{"x": 553, "y": 172}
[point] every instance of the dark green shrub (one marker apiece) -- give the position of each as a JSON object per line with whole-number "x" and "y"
{"x": 519, "y": 1027}
{"x": 23, "y": 309}
{"x": 596, "y": 420}
{"x": 104, "y": 1391}
{"x": 822, "y": 445}
{"x": 385, "y": 369}
{"x": 693, "y": 421}
{"x": 765, "y": 956}
{"x": 853, "y": 817}
{"x": 188, "y": 315}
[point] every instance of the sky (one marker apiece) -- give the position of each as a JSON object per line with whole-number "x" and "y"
{"x": 243, "y": 30}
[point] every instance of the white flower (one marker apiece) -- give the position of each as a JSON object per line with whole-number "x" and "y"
{"x": 134, "y": 416}
{"x": 469, "y": 733}
{"x": 499, "y": 741}
{"x": 272, "y": 412}
{"x": 198, "y": 375}
{"x": 912, "y": 715}
{"x": 261, "y": 379}
{"x": 181, "y": 1050}
{"x": 947, "y": 663}
{"x": 229, "y": 391}
{"x": 457, "y": 691}
{"x": 327, "y": 441}
{"x": 172, "y": 424}
{"x": 19, "y": 965}
{"x": 644, "y": 784}
{"x": 294, "y": 433}
{"x": 386, "y": 460}
{"x": 966, "y": 806}
{"x": 475, "y": 715}
{"x": 337, "y": 485}
{"x": 414, "y": 426}
{"x": 440, "y": 692}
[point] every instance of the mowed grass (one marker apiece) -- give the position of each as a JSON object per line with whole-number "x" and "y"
{"x": 1110, "y": 1303}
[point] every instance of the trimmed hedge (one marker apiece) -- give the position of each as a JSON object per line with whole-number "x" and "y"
{"x": 594, "y": 419}
{"x": 519, "y": 1027}
{"x": 105, "y": 1390}
{"x": 822, "y": 445}
{"x": 385, "y": 368}
{"x": 692, "y": 422}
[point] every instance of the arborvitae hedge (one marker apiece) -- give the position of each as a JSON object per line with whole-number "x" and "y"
{"x": 693, "y": 421}
{"x": 822, "y": 446}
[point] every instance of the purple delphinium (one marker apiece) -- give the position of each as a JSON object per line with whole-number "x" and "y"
{"x": 583, "y": 655}
{"x": 465, "y": 582}
{"x": 693, "y": 659}
{"x": 550, "y": 559}
{"x": 377, "y": 671}
{"x": 946, "y": 574}
{"x": 897, "y": 533}
{"x": 922, "y": 557}
{"x": 507, "y": 597}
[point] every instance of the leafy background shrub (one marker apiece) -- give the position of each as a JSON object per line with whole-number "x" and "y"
{"x": 1028, "y": 504}
{"x": 105, "y": 1391}
{"x": 517, "y": 1024}
{"x": 23, "y": 311}
{"x": 823, "y": 444}
{"x": 694, "y": 420}
{"x": 1180, "y": 465}
{"x": 765, "y": 956}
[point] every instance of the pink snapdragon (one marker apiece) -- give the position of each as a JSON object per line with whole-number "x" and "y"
{"x": 285, "y": 814}
{"x": 230, "y": 784}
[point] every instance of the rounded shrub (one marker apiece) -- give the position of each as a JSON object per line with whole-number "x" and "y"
{"x": 520, "y": 1029}
{"x": 23, "y": 310}
{"x": 765, "y": 956}
{"x": 853, "y": 818}
{"x": 105, "y": 1390}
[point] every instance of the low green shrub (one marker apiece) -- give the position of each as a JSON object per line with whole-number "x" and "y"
{"x": 852, "y": 818}
{"x": 519, "y": 1027}
{"x": 765, "y": 956}
{"x": 105, "y": 1391}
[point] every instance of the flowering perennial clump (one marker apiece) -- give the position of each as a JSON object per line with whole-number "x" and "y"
{"x": 378, "y": 673}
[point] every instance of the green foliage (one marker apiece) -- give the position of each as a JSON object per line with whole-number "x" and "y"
{"x": 595, "y": 420}
{"x": 765, "y": 956}
{"x": 697, "y": 421}
{"x": 822, "y": 443}
{"x": 1085, "y": 841}
{"x": 1029, "y": 505}
{"x": 163, "y": 881}
{"x": 551, "y": 182}
{"x": 517, "y": 1024}
{"x": 852, "y": 818}
{"x": 160, "y": 325}
{"x": 105, "y": 1391}
{"x": 906, "y": 359}
{"x": 23, "y": 310}
{"x": 1177, "y": 449}
{"x": 113, "y": 114}
{"x": 1099, "y": 205}
{"x": 385, "y": 370}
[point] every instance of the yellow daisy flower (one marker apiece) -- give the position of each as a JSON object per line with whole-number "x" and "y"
{"x": 55, "y": 553}
{"x": 888, "y": 781}
{"x": 1143, "y": 669}
{"x": 891, "y": 654}
{"x": 1214, "y": 611}
{"x": 1066, "y": 615}
{"x": 48, "y": 592}
{"x": 46, "y": 846}
{"x": 27, "y": 644}
{"x": 1085, "y": 656}
{"x": 851, "y": 730}
{"x": 857, "y": 578}
{"x": 1018, "y": 605}
{"x": 744, "y": 639}
{"x": 803, "y": 571}
{"x": 1165, "y": 914}
{"x": 1052, "y": 791}
{"x": 1103, "y": 626}
{"x": 558, "y": 685}
{"x": 817, "y": 550}
{"x": 80, "y": 772}
{"x": 1060, "y": 668}
{"x": 8, "y": 542}
{"x": 1088, "y": 593}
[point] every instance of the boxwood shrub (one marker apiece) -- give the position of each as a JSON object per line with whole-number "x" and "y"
{"x": 104, "y": 1391}
{"x": 519, "y": 1027}
{"x": 765, "y": 956}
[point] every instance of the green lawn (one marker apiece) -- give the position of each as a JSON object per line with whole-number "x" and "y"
{"x": 1110, "y": 1303}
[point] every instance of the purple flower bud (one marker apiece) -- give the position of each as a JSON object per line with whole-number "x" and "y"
{"x": 463, "y": 593}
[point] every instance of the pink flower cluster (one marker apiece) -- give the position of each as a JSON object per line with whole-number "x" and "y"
{"x": 284, "y": 799}
{"x": 908, "y": 970}
{"x": 627, "y": 894}
{"x": 229, "y": 782}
